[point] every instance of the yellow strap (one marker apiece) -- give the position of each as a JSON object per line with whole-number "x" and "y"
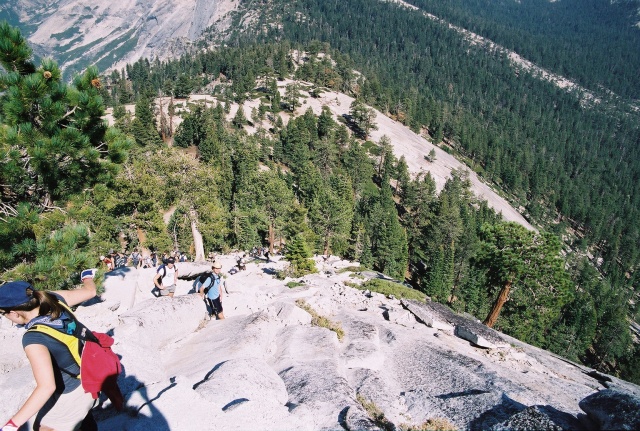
{"x": 68, "y": 340}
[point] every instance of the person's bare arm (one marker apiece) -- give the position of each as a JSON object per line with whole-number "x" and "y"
{"x": 42, "y": 369}
{"x": 77, "y": 296}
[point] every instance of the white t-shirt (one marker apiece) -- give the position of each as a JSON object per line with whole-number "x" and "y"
{"x": 169, "y": 278}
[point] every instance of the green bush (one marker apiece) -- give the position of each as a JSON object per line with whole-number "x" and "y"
{"x": 386, "y": 287}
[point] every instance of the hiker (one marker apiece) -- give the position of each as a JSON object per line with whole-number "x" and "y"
{"x": 154, "y": 258}
{"x": 211, "y": 290}
{"x": 242, "y": 262}
{"x": 107, "y": 260}
{"x": 120, "y": 260}
{"x": 147, "y": 262}
{"x": 166, "y": 278}
{"x": 58, "y": 399}
{"x": 135, "y": 258}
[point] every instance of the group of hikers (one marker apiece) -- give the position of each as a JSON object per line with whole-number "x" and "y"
{"x": 116, "y": 259}
{"x": 209, "y": 285}
{"x": 54, "y": 339}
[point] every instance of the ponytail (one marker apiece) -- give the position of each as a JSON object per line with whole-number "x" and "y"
{"x": 46, "y": 302}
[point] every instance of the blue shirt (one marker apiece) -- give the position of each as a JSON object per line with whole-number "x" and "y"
{"x": 214, "y": 292}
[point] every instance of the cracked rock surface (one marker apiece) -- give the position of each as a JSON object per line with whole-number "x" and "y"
{"x": 268, "y": 367}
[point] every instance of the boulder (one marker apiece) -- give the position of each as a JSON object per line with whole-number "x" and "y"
{"x": 469, "y": 335}
{"x": 400, "y": 317}
{"x": 426, "y": 315}
{"x": 356, "y": 419}
{"x": 440, "y": 316}
{"x": 289, "y": 314}
{"x": 531, "y": 418}
{"x": 612, "y": 409}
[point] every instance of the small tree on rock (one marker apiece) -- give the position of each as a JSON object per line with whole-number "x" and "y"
{"x": 299, "y": 254}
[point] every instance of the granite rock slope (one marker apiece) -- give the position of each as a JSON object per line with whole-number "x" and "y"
{"x": 268, "y": 367}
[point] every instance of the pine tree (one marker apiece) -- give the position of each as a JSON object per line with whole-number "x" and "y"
{"x": 55, "y": 141}
{"x": 143, "y": 126}
{"x": 518, "y": 259}
{"x": 239, "y": 120}
{"x": 298, "y": 254}
{"x": 275, "y": 200}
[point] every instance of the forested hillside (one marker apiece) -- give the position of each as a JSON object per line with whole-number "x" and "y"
{"x": 593, "y": 42}
{"x": 323, "y": 188}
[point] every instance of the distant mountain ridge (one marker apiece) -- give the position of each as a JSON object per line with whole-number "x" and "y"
{"x": 78, "y": 33}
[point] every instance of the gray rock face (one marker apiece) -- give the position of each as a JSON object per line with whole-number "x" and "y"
{"x": 357, "y": 420}
{"x": 469, "y": 335}
{"x": 613, "y": 410}
{"x": 134, "y": 29}
{"x": 267, "y": 367}
{"x": 425, "y": 314}
{"x": 530, "y": 418}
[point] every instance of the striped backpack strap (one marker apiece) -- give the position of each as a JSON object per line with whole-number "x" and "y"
{"x": 72, "y": 343}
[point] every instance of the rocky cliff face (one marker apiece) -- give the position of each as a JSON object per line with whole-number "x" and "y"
{"x": 269, "y": 367}
{"x": 82, "y": 32}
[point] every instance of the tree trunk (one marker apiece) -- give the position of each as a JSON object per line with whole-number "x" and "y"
{"x": 198, "y": 244}
{"x": 272, "y": 238}
{"x": 497, "y": 306}
{"x": 171, "y": 116}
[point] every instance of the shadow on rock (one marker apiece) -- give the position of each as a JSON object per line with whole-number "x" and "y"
{"x": 512, "y": 415}
{"x": 133, "y": 418}
{"x": 269, "y": 271}
{"x": 613, "y": 409}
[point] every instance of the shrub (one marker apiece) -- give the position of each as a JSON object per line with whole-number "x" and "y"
{"x": 375, "y": 413}
{"x": 387, "y": 288}
{"x": 349, "y": 269}
{"x": 433, "y": 424}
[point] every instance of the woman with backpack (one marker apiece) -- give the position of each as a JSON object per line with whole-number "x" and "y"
{"x": 58, "y": 399}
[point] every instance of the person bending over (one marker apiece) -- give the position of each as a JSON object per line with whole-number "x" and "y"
{"x": 58, "y": 399}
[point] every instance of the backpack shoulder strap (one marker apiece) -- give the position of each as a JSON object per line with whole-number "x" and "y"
{"x": 72, "y": 343}
{"x": 79, "y": 330}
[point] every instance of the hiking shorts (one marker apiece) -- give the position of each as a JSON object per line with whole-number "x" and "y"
{"x": 217, "y": 304}
{"x": 65, "y": 411}
{"x": 167, "y": 290}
